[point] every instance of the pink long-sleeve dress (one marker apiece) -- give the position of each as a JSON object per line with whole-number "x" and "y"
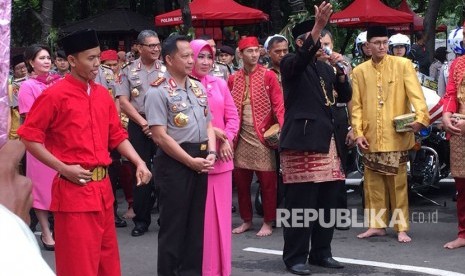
{"x": 40, "y": 174}
{"x": 217, "y": 233}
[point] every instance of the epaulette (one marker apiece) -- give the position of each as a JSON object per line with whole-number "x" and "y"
{"x": 105, "y": 66}
{"x": 222, "y": 63}
{"x": 126, "y": 64}
{"x": 158, "y": 81}
{"x": 194, "y": 78}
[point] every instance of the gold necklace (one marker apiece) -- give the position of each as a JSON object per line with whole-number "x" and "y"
{"x": 328, "y": 102}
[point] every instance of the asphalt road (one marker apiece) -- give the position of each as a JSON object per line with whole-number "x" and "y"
{"x": 375, "y": 256}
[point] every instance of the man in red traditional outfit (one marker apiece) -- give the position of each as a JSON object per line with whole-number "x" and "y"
{"x": 76, "y": 120}
{"x": 454, "y": 102}
{"x": 259, "y": 101}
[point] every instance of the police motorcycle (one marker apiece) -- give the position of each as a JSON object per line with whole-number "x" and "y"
{"x": 429, "y": 162}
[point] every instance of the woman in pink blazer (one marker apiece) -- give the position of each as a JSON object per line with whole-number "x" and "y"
{"x": 217, "y": 234}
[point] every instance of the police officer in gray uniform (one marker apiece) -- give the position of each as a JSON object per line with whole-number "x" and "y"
{"x": 179, "y": 118}
{"x": 136, "y": 78}
{"x": 219, "y": 69}
{"x": 106, "y": 78}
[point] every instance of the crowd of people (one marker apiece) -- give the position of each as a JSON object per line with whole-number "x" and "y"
{"x": 204, "y": 120}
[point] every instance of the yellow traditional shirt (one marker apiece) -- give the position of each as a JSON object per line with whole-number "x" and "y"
{"x": 381, "y": 92}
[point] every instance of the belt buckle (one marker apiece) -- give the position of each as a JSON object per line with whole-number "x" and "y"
{"x": 98, "y": 173}
{"x": 203, "y": 146}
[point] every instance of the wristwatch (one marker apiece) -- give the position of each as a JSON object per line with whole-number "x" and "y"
{"x": 213, "y": 152}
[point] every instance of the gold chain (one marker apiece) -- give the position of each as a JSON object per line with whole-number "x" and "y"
{"x": 328, "y": 102}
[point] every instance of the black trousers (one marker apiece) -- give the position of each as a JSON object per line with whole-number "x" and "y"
{"x": 309, "y": 195}
{"x": 144, "y": 197}
{"x": 113, "y": 172}
{"x": 183, "y": 193}
{"x": 341, "y": 129}
{"x": 342, "y": 196}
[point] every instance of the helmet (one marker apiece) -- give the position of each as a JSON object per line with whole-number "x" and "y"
{"x": 399, "y": 39}
{"x": 361, "y": 39}
{"x": 455, "y": 41}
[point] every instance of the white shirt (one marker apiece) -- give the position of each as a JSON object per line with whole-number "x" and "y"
{"x": 19, "y": 252}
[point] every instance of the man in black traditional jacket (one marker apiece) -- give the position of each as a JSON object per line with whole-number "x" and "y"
{"x": 309, "y": 147}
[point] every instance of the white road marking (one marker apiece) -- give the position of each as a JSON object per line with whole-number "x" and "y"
{"x": 419, "y": 269}
{"x": 356, "y": 181}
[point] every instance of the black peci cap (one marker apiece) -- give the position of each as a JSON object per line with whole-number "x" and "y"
{"x": 16, "y": 60}
{"x": 376, "y": 31}
{"x": 79, "y": 41}
{"x": 302, "y": 28}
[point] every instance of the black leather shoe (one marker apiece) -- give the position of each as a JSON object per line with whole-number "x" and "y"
{"x": 299, "y": 269}
{"x": 119, "y": 222}
{"x": 326, "y": 262}
{"x": 138, "y": 231}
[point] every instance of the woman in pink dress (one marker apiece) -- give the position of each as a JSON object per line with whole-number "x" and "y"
{"x": 38, "y": 63}
{"x": 217, "y": 233}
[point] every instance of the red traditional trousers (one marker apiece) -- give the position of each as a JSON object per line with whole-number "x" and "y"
{"x": 460, "y": 186}
{"x": 86, "y": 244}
{"x": 268, "y": 182}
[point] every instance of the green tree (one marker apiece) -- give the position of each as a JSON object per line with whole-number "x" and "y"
{"x": 186, "y": 16}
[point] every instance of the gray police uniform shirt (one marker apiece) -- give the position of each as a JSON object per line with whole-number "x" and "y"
{"x": 136, "y": 80}
{"x": 106, "y": 78}
{"x": 220, "y": 70}
{"x": 184, "y": 112}
{"x": 15, "y": 84}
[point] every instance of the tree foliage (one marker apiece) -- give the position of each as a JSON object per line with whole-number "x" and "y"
{"x": 27, "y": 28}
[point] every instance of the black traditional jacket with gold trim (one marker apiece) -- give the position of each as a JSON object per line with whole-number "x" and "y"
{"x": 310, "y": 88}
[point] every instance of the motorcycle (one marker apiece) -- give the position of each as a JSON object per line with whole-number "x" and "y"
{"x": 430, "y": 161}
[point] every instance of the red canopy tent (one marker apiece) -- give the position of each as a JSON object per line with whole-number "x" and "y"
{"x": 417, "y": 20}
{"x": 214, "y": 13}
{"x": 362, "y": 13}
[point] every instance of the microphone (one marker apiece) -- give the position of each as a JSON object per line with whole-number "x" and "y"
{"x": 339, "y": 64}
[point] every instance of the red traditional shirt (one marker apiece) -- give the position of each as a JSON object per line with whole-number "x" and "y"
{"x": 456, "y": 74}
{"x": 77, "y": 128}
{"x": 266, "y": 98}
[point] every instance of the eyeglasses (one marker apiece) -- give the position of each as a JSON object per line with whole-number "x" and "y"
{"x": 379, "y": 43}
{"x": 151, "y": 46}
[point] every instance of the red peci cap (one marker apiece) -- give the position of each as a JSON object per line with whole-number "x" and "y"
{"x": 108, "y": 55}
{"x": 249, "y": 41}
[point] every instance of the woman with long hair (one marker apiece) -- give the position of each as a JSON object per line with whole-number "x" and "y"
{"x": 38, "y": 63}
{"x": 217, "y": 233}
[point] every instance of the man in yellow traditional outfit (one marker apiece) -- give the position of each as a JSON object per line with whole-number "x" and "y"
{"x": 383, "y": 88}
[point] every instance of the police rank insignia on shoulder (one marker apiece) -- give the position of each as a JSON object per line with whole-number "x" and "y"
{"x": 125, "y": 64}
{"x": 198, "y": 92}
{"x": 194, "y": 78}
{"x": 105, "y": 66}
{"x": 158, "y": 81}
